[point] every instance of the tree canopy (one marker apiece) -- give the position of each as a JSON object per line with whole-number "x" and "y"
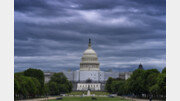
{"x": 147, "y": 82}
{"x": 59, "y": 84}
{"x": 36, "y": 73}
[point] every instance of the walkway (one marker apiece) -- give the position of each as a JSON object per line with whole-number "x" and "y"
{"x": 138, "y": 99}
{"x": 38, "y": 99}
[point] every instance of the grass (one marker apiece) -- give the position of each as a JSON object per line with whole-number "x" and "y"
{"x": 92, "y": 92}
{"x": 90, "y": 99}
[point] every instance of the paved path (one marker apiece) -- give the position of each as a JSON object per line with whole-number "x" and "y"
{"x": 38, "y": 99}
{"x": 137, "y": 99}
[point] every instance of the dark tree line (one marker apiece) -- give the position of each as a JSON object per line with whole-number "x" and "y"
{"x": 59, "y": 84}
{"x": 142, "y": 83}
{"x": 30, "y": 84}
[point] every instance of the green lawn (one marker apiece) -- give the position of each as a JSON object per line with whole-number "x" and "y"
{"x": 90, "y": 99}
{"x": 92, "y": 92}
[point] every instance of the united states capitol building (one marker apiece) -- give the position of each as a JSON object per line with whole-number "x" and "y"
{"x": 89, "y": 73}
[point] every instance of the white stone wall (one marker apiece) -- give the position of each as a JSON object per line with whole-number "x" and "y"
{"x": 127, "y": 75}
{"x": 47, "y": 79}
{"x": 93, "y": 75}
{"x": 76, "y": 75}
{"x": 47, "y": 76}
{"x": 92, "y": 86}
{"x": 69, "y": 75}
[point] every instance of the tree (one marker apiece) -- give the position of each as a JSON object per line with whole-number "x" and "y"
{"x": 115, "y": 86}
{"x": 147, "y": 78}
{"x": 161, "y": 81}
{"x": 128, "y": 87}
{"x": 59, "y": 84}
{"x": 148, "y": 82}
{"x": 164, "y": 71}
{"x": 16, "y": 87}
{"x": 22, "y": 91}
{"x": 121, "y": 88}
{"x": 59, "y": 78}
{"x": 38, "y": 74}
{"x": 19, "y": 73}
{"x": 136, "y": 82}
{"x": 53, "y": 88}
{"x": 46, "y": 89}
{"x": 108, "y": 84}
{"x": 31, "y": 87}
{"x": 37, "y": 86}
{"x": 154, "y": 90}
{"x": 25, "y": 87}
{"x": 70, "y": 86}
{"x": 150, "y": 79}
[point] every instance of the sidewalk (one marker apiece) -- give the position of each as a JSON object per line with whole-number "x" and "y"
{"x": 38, "y": 99}
{"x": 138, "y": 99}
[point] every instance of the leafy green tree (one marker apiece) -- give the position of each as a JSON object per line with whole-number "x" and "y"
{"x": 121, "y": 88}
{"x": 59, "y": 84}
{"x": 148, "y": 82}
{"x": 36, "y": 73}
{"x": 70, "y": 86}
{"x": 39, "y": 75}
{"x": 161, "y": 81}
{"x": 37, "y": 86}
{"x": 128, "y": 87}
{"x": 22, "y": 81}
{"x": 164, "y": 71}
{"x": 108, "y": 84}
{"x": 16, "y": 87}
{"x": 115, "y": 86}
{"x": 63, "y": 88}
{"x": 154, "y": 90}
{"x": 31, "y": 87}
{"x": 46, "y": 89}
{"x": 26, "y": 87}
{"x": 150, "y": 79}
{"x": 53, "y": 88}
{"x": 19, "y": 73}
{"x": 136, "y": 82}
{"x": 59, "y": 78}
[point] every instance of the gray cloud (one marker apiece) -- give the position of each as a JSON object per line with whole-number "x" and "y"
{"x": 52, "y": 34}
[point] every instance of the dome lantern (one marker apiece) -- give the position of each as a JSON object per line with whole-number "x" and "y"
{"x": 89, "y": 45}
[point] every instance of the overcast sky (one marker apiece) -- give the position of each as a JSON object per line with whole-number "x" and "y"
{"x": 53, "y": 34}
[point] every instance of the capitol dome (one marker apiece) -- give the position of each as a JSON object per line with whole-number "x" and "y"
{"x": 89, "y": 59}
{"x": 89, "y": 51}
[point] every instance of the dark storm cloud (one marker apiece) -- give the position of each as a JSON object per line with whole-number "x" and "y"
{"x": 52, "y": 34}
